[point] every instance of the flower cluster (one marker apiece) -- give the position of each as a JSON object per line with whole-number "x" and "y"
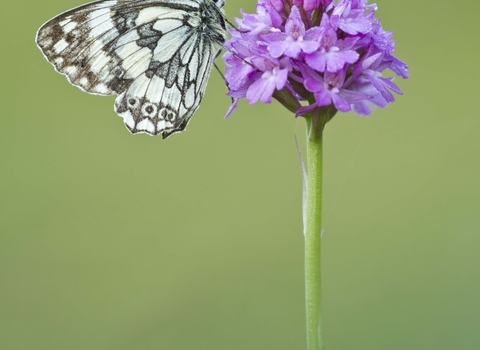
{"x": 328, "y": 53}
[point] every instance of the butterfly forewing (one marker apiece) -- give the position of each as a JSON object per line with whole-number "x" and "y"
{"x": 156, "y": 55}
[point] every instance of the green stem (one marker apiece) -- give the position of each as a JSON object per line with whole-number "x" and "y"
{"x": 315, "y": 125}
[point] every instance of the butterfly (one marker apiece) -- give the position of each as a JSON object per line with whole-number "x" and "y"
{"x": 156, "y": 55}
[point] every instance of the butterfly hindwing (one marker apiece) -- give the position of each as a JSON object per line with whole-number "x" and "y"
{"x": 150, "y": 53}
{"x": 164, "y": 98}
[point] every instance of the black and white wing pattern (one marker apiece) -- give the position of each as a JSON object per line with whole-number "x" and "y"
{"x": 156, "y": 55}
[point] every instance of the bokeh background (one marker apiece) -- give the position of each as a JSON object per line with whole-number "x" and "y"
{"x": 114, "y": 241}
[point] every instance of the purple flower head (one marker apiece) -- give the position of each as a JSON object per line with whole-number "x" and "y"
{"x": 327, "y": 53}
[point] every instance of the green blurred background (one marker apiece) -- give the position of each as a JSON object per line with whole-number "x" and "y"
{"x": 114, "y": 241}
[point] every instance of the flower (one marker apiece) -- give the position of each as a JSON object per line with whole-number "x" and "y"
{"x": 295, "y": 39}
{"x": 324, "y": 52}
{"x": 329, "y": 89}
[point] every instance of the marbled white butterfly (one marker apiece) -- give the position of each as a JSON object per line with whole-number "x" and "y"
{"x": 156, "y": 55}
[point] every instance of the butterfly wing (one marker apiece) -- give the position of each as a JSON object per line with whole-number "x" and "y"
{"x": 148, "y": 52}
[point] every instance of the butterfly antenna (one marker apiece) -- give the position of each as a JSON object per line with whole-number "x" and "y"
{"x": 221, "y": 43}
{"x": 223, "y": 48}
{"x": 232, "y": 26}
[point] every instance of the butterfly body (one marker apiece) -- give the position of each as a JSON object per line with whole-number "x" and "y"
{"x": 156, "y": 55}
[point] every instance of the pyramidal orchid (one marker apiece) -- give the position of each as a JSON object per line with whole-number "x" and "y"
{"x": 317, "y": 51}
{"x": 316, "y": 57}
